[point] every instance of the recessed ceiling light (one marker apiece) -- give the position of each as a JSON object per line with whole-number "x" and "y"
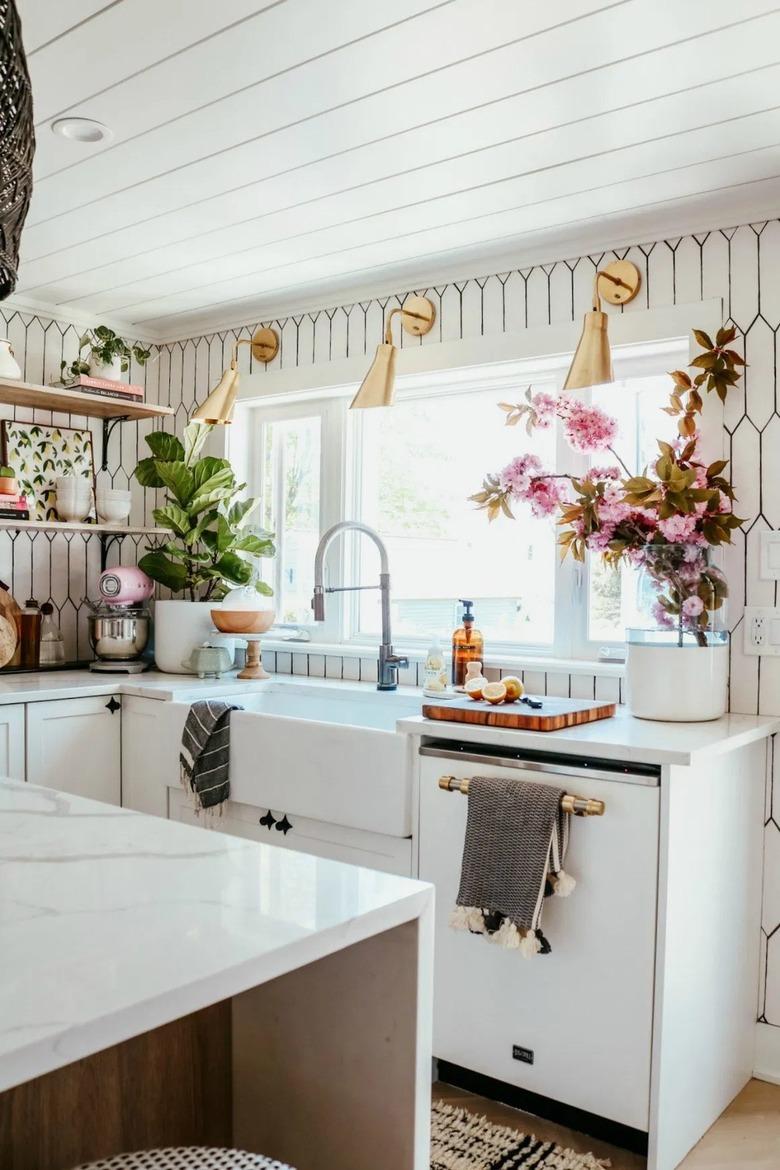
{"x": 82, "y": 130}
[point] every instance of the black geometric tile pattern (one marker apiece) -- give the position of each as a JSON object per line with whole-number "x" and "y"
{"x": 741, "y": 265}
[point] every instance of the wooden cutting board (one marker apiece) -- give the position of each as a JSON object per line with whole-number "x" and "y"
{"x": 553, "y": 715}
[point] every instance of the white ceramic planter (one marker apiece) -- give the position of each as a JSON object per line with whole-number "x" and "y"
{"x": 112, "y": 372}
{"x": 180, "y": 626}
{"x": 679, "y": 684}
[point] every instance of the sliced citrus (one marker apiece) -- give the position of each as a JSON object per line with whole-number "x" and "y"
{"x": 474, "y": 686}
{"x": 514, "y": 688}
{"x": 494, "y": 692}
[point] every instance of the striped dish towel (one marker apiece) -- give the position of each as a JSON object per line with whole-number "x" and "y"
{"x": 205, "y": 753}
{"x": 513, "y": 855}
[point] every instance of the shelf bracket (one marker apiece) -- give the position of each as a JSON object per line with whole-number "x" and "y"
{"x": 108, "y": 426}
{"x": 106, "y": 541}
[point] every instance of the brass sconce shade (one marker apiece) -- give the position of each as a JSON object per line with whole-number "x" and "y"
{"x": 218, "y": 407}
{"x": 591, "y": 365}
{"x": 378, "y": 386}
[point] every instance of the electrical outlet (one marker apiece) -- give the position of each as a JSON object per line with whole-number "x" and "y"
{"x": 762, "y": 630}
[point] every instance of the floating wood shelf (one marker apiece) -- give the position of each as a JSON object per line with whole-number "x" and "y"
{"x": 67, "y": 526}
{"x": 57, "y": 398}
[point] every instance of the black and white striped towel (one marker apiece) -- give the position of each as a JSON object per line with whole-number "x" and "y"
{"x": 205, "y": 752}
{"x": 516, "y": 841}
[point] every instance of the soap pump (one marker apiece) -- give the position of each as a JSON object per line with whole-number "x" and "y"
{"x": 467, "y": 644}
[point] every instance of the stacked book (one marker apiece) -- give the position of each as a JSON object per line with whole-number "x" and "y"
{"x": 14, "y": 507}
{"x": 107, "y": 389}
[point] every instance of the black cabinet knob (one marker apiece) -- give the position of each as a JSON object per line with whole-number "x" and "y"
{"x": 284, "y": 825}
{"x": 269, "y": 820}
{"x": 112, "y": 705}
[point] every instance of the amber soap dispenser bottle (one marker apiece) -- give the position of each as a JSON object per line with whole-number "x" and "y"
{"x": 467, "y": 645}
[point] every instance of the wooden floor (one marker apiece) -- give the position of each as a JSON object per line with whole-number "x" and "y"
{"x": 745, "y": 1137}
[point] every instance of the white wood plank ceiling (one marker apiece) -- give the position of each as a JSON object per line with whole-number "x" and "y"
{"x": 265, "y": 150}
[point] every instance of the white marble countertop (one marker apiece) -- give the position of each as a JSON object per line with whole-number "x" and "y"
{"x": 152, "y": 684}
{"x": 113, "y": 923}
{"x": 638, "y": 741}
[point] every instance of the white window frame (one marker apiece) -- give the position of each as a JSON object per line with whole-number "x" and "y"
{"x": 484, "y": 363}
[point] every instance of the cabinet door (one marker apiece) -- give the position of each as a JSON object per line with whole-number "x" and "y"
{"x": 12, "y": 741}
{"x": 75, "y": 745}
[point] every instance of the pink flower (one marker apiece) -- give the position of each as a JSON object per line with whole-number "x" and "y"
{"x": 516, "y": 476}
{"x": 692, "y": 606}
{"x": 692, "y": 554}
{"x": 662, "y": 618}
{"x": 701, "y": 477}
{"x": 545, "y": 406}
{"x": 544, "y": 496}
{"x": 597, "y": 473}
{"x": 678, "y": 529}
{"x": 587, "y": 428}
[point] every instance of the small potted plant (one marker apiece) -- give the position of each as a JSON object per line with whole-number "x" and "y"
{"x": 211, "y": 549}
{"x": 102, "y": 354}
{"x": 8, "y": 482}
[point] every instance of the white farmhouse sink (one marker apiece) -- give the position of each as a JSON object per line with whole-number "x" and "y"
{"x": 326, "y": 751}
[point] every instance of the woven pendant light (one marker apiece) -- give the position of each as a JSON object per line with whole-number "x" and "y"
{"x": 17, "y": 144}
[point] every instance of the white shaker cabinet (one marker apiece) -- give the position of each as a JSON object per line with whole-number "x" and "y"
{"x": 12, "y": 762}
{"x": 75, "y": 745}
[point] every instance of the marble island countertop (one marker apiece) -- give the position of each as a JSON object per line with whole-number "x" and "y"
{"x": 112, "y": 922}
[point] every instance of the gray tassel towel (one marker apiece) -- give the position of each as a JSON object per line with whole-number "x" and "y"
{"x": 205, "y": 753}
{"x": 516, "y": 841}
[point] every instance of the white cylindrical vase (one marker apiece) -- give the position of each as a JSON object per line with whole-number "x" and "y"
{"x": 678, "y": 684}
{"x": 180, "y": 626}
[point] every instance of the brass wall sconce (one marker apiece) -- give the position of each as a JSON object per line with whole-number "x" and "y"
{"x": 218, "y": 407}
{"x": 377, "y": 388}
{"x": 591, "y": 365}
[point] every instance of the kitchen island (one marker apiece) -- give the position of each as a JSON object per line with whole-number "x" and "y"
{"x": 165, "y": 985}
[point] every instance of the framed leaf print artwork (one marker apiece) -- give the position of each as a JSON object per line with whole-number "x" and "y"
{"x": 39, "y": 454}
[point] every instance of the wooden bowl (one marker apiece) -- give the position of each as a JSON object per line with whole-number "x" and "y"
{"x": 243, "y": 621}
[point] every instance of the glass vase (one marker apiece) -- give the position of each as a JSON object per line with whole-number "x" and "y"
{"x": 677, "y": 647}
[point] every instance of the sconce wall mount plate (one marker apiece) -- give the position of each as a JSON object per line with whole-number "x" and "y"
{"x": 618, "y": 282}
{"x": 265, "y": 345}
{"x": 417, "y": 316}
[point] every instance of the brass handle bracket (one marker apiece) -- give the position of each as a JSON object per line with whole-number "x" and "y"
{"x": 578, "y": 806}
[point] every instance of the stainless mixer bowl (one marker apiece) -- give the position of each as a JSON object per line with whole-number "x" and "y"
{"x": 119, "y": 636}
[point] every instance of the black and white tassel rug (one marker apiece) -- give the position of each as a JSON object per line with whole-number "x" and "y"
{"x": 464, "y": 1141}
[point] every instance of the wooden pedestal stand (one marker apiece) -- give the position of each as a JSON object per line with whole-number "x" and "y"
{"x": 254, "y": 664}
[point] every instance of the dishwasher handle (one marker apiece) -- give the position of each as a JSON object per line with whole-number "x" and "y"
{"x": 579, "y": 806}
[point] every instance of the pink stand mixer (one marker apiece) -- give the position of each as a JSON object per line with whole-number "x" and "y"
{"x": 120, "y": 623}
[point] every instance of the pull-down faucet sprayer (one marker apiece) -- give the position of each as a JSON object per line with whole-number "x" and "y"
{"x": 388, "y": 663}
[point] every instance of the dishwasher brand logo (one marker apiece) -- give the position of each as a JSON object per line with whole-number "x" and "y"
{"x": 526, "y": 1055}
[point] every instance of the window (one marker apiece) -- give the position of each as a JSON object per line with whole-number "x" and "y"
{"x": 408, "y": 473}
{"x": 415, "y": 467}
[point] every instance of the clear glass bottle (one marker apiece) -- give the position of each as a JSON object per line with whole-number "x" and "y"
{"x": 52, "y": 651}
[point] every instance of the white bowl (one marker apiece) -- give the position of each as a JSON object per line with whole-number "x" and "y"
{"x": 74, "y": 512}
{"x": 114, "y": 493}
{"x": 70, "y": 482}
{"x": 112, "y": 511}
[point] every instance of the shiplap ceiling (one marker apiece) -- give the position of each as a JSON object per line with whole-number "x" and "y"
{"x": 264, "y": 151}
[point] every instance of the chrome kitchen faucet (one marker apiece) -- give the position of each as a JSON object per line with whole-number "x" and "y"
{"x": 388, "y": 663}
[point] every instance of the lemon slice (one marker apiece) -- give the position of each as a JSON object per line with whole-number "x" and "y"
{"x": 514, "y": 688}
{"x": 474, "y": 687}
{"x": 494, "y": 692}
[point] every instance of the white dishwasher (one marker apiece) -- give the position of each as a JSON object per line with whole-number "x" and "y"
{"x": 574, "y": 1026}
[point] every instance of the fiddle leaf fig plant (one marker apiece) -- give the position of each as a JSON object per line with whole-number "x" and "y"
{"x": 212, "y": 547}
